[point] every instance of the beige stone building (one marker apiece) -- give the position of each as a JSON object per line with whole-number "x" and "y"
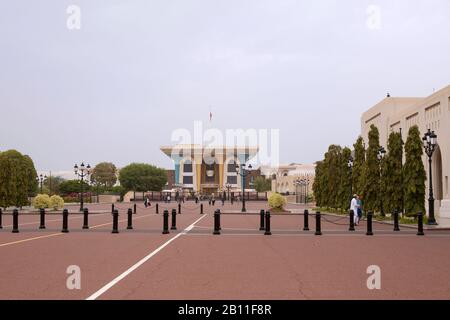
{"x": 432, "y": 112}
{"x": 284, "y": 176}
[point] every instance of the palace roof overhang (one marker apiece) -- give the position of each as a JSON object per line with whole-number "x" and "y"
{"x": 195, "y": 149}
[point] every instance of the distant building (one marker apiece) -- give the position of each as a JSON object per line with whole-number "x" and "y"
{"x": 284, "y": 177}
{"x": 208, "y": 170}
{"x": 432, "y": 112}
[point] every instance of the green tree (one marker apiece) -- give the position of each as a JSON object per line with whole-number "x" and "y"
{"x": 319, "y": 184}
{"x": 371, "y": 194}
{"x": 104, "y": 174}
{"x": 333, "y": 170}
{"x": 31, "y": 176}
{"x": 17, "y": 179}
{"x": 359, "y": 161}
{"x": 142, "y": 177}
{"x": 52, "y": 184}
{"x": 73, "y": 186}
{"x": 262, "y": 184}
{"x": 414, "y": 174}
{"x": 345, "y": 187}
{"x": 392, "y": 173}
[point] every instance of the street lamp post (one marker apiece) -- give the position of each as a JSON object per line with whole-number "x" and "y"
{"x": 306, "y": 190}
{"x": 380, "y": 156}
{"x": 243, "y": 171}
{"x": 41, "y": 180}
{"x": 350, "y": 167}
{"x": 82, "y": 172}
{"x": 429, "y": 143}
{"x": 298, "y": 184}
{"x": 303, "y": 184}
{"x": 401, "y": 167}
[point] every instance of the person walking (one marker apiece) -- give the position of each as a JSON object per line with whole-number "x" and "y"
{"x": 359, "y": 208}
{"x": 147, "y": 202}
{"x": 354, "y": 208}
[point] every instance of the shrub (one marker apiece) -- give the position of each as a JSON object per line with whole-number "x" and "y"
{"x": 276, "y": 202}
{"x": 41, "y": 201}
{"x": 56, "y": 202}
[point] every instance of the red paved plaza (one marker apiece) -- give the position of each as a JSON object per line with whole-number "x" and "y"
{"x": 241, "y": 263}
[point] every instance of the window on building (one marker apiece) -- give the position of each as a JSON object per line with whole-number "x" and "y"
{"x": 231, "y": 166}
{"x": 232, "y": 179}
{"x": 187, "y": 167}
{"x": 188, "y": 180}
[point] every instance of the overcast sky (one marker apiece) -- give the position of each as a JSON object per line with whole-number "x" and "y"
{"x": 135, "y": 71}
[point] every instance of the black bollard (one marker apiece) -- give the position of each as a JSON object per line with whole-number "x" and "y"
{"x": 65, "y": 225}
{"x": 352, "y": 221}
{"x": 369, "y": 224}
{"x": 179, "y": 208}
{"x": 130, "y": 219}
{"x": 86, "y": 218}
{"x": 306, "y": 220}
{"x": 1, "y": 213}
{"x": 201, "y": 208}
{"x": 396, "y": 226}
{"x": 135, "y": 208}
{"x": 216, "y": 222}
{"x": 112, "y": 208}
{"x": 174, "y": 220}
{"x": 15, "y": 221}
{"x": 261, "y": 220}
{"x": 115, "y": 228}
{"x": 267, "y": 233}
{"x": 318, "y": 224}
{"x": 157, "y": 208}
{"x": 420, "y": 224}
{"x": 166, "y": 222}
{"x": 42, "y": 214}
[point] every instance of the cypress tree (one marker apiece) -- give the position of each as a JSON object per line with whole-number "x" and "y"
{"x": 345, "y": 187}
{"x": 372, "y": 172}
{"x": 414, "y": 175}
{"x": 392, "y": 175}
{"x": 324, "y": 183}
{"x": 317, "y": 185}
{"x": 333, "y": 173}
{"x": 359, "y": 161}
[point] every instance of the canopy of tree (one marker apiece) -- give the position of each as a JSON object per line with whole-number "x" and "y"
{"x": 104, "y": 174}
{"x": 142, "y": 177}
{"x": 73, "y": 186}
{"x": 262, "y": 184}
{"x": 17, "y": 179}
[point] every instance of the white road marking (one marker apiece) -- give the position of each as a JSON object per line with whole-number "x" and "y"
{"x": 141, "y": 262}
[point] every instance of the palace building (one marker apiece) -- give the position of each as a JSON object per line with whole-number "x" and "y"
{"x": 208, "y": 170}
{"x": 432, "y": 112}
